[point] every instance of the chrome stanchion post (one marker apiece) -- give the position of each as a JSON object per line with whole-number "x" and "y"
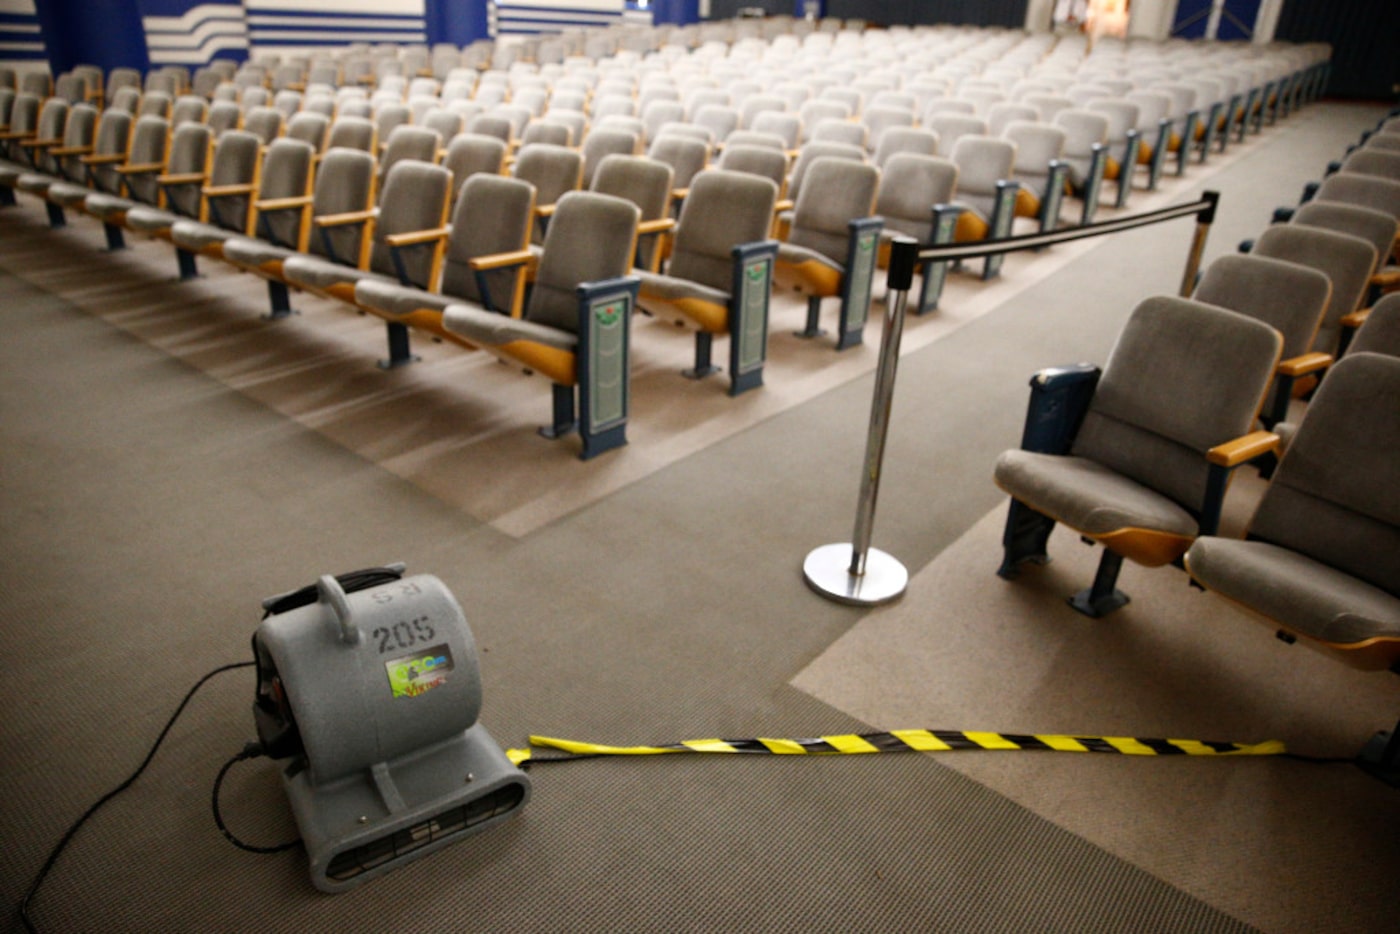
{"x": 855, "y": 573}
{"x": 1198, "y": 243}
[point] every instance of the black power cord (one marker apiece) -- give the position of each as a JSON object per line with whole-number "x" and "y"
{"x": 73, "y": 829}
{"x": 250, "y": 751}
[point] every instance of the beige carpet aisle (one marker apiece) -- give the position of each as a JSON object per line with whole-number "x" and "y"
{"x": 1283, "y": 845}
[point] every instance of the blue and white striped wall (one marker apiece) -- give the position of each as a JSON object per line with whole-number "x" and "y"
{"x": 183, "y": 32}
{"x": 20, "y": 38}
{"x": 308, "y": 24}
{"x": 525, "y": 17}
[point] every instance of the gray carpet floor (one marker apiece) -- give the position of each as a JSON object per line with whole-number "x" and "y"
{"x": 158, "y": 478}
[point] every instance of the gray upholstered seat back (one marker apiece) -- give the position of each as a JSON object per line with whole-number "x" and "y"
{"x": 78, "y": 132}
{"x": 266, "y": 122}
{"x": 772, "y": 164}
{"x": 591, "y": 238}
{"x": 840, "y": 131}
{"x": 1373, "y": 162}
{"x": 309, "y": 127}
{"x": 1122, "y": 116}
{"x": 1036, "y": 145}
{"x": 540, "y": 131}
{"x": 351, "y": 132}
{"x": 53, "y": 117}
{"x": 472, "y": 153}
{"x": 447, "y": 123}
{"x": 553, "y": 170}
{"x": 1336, "y": 495}
{"x": 1375, "y": 227}
{"x": 189, "y": 107}
{"x": 1082, "y": 131}
{"x": 113, "y": 135}
{"x": 982, "y": 161}
{"x": 819, "y": 150}
{"x": 189, "y": 153}
{"x": 1381, "y": 332}
{"x": 414, "y": 198}
{"x": 784, "y": 125}
{"x": 1345, "y": 259}
{"x": 952, "y": 127}
{"x": 223, "y": 116}
{"x": 836, "y": 192}
{"x": 408, "y": 143}
{"x": 1000, "y": 116}
{"x": 286, "y": 173}
{"x": 1289, "y": 297}
{"x": 645, "y": 182}
{"x": 685, "y": 155}
{"x": 723, "y": 209}
{"x": 1182, "y": 378}
{"x": 910, "y": 185}
{"x": 344, "y": 184}
{"x": 235, "y": 162}
{"x": 1369, "y": 191}
{"x": 602, "y": 143}
{"x": 493, "y": 214}
{"x": 905, "y": 139}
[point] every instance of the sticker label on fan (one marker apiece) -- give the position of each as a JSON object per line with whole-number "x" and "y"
{"x": 420, "y": 672}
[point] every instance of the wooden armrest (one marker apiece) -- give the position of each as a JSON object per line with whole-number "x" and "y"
{"x": 349, "y": 217}
{"x": 784, "y": 204}
{"x": 415, "y": 237}
{"x": 1242, "y": 449}
{"x": 660, "y": 225}
{"x": 1356, "y": 318}
{"x": 544, "y": 210}
{"x": 40, "y": 143}
{"x": 1386, "y": 280}
{"x": 680, "y": 194}
{"x": 502, "y": 260}
{"x": 224, "y": 191}
{"x": 103, "y": 159}
{"x": 282, "y": 204}
{"x": 70, "y": 150}
{"x": 1304, "y": 364}
{"x": 179, "y": 178}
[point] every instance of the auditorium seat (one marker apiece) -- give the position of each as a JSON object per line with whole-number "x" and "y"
{"x": 647, "y": 183}
{"x": 1290, "y": 298}
{"x": 485, "y": 259}
{"x": 1137, "y": 457}
{"x": 831, "y": 247}
{"x": 1040, "y": 170}
{"x": 719, "y": 274}
{"x": 415, "y": 198}
{"x": 1346, "y": 260}
{"x": 577, "y": 321}
{"x": 285, "y": 173}
{"x": 1320, "y": 560}
{"x": 344, "y": 185}
{"x": 1086, "y": 154}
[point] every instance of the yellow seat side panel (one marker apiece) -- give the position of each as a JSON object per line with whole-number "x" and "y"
{"x": 809, "y": 278}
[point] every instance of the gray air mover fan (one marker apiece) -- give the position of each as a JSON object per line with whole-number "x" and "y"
{"x": 369, "y": 698}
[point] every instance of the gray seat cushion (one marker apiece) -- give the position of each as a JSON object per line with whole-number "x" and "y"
{"x": 395, "y": 299}
{"x": 490, "y": 329}
{"x": 1088, "y": 496}
{"x": 1301, "y": 594}
{"x": 108, "y": 207}
{"x": 314, "y": 273}
{"x": 69, "y": 195}
{"x": 194, "y": 236}
{"x": 669, "y": 288}
{"x": 790, "y": 253}
{"x": 150, "y": 220}
{"x": 250, "y": 251}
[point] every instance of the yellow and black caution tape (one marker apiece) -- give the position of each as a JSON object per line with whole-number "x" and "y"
{"x": 903, "y": 741}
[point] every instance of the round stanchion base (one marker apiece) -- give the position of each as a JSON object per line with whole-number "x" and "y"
{"x": 828, "y": 572}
